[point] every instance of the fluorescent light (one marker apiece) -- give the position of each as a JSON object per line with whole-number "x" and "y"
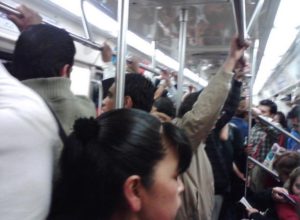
{"x": 276, "y": 46}
{"x": 281, "y": 37}
{"x": 194, "y": 77}
{"x": 166, "y": 60}
{"x": 139, "y": 43}
{"x": 80, "y": 80}
{"x": 266, "y": 68}
{"x": 288, "y": 15}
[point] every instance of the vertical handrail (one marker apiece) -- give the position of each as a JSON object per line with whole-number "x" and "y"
{"x": 181, "y": 54}
{"x": 123, "y": 13}
{"x": 239, "y": 12}
{"x": 85, "y": 24}
{"x": 255, "y": 15}
{"x": 153, "y": 58}
{"x": 253, "y": 69}
{"x": 253, "y": 74}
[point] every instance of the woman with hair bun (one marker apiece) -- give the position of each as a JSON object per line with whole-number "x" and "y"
{"x": 123, "y": 165}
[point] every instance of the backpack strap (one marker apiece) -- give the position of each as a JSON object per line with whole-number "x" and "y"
{"x": 61, "y": 132}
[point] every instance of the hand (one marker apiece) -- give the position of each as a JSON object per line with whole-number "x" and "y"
{"x": 162, "y": 116}
{"x": 165, "y": 77}
{"x": 132, "y": 65}
{"x": 277, "y": 194}
{"x": 251, "y": 211}
{"x": 241, "y": 68}
{"x": 236, "y": 49}
{"x": 249, "y": 149}
{"x": 29, "y": 17}
{"x": 256, "y": 111}
{"x": 235, "y": 54}
{"x": 106, "y": 53}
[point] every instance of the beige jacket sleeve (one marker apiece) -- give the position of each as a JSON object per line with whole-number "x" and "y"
{"x": 199, "y": 121}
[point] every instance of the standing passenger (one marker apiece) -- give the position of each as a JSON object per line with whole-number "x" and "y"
{"x": 135, "y": 176}
{"x": 43, "y": 60}
{"x": 29, "y": 135}
{"x": 198, "y": 180}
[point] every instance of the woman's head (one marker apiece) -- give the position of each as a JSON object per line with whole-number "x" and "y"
{"x": 286, "y": 163}
{"x": 124, "y": 162}
{"x": 293, "y": 184}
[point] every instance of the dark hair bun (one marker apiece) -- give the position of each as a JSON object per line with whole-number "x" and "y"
{"x": 86, "y": 129}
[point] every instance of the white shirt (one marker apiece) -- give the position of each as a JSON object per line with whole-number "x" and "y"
{"x": 28, "y": 138}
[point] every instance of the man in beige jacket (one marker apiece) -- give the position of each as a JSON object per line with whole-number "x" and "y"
{"x": 198, "y": 197}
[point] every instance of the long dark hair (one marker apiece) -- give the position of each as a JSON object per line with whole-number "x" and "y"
{"x": 289, "y": 185}
{"x": 101, "y": 154}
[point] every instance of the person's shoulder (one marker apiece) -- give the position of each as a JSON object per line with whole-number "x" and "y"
{"x": 86, "y": 105}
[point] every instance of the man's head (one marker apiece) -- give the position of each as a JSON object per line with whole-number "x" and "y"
{"x": 267, "y": 107}
{"x": 294, "y": 118}
{"x": 187, "y": 103}
{"x": 139, "y": 94}
{"x": 43, "y": 51}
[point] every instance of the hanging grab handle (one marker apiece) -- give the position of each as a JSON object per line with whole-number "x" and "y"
{"x": 85, "y": 24}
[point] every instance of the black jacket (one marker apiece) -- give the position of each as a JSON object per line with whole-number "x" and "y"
{"x": 219, "y": 153}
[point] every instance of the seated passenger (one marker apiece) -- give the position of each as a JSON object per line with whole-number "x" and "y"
{"x": 124, "y": 165}
{"x": 286, "y": 210}
{"x": 266, "y": 200}
{"x": 28, "y": 134}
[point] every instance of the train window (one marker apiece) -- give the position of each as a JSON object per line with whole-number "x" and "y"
{"x": 80, "y": 78}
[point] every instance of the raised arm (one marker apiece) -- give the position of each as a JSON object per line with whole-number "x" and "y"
{"x": 199, "y": 121}
{"x": 29, "y": 17}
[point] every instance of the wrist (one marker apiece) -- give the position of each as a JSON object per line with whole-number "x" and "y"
{"x": 229, "y": 64}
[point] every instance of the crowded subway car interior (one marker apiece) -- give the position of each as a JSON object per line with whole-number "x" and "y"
{"x": 149, "y": 109}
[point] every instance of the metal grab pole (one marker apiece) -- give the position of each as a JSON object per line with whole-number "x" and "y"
{"x": 278, "y": 128}
{"x": 255, "y": 15}
{"x": 253, "y": 68}
{"x": 145, "y": 67}
{"x": 10, "y": 10}
{"x": 153, "y": 58}
{"x": 239, "y": 12}
{"x": 123, "y": 12}
{"x": 181, "y": 54}
{"x": 85, "y": 24}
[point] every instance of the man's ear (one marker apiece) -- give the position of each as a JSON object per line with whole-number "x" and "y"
{"x": 65, "y": 70}
{"x": 128, "y": 103}
{"x": 131, "y": 188}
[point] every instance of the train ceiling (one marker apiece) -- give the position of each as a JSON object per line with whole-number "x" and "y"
{"x": 210, "y": 26}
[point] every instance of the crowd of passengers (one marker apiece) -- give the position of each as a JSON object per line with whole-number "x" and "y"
{"x": 60, "y": 160}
